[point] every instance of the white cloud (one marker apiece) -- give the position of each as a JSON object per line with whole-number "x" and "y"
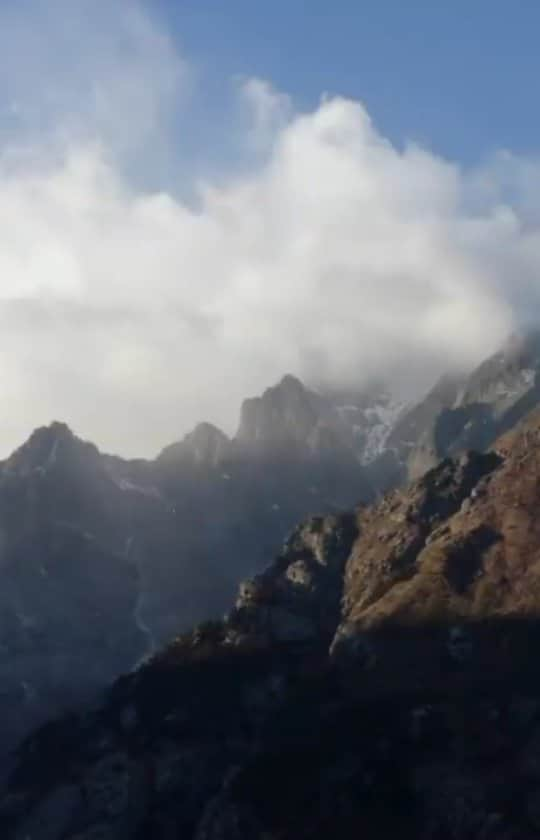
{"x": 269, "y": 110}
{"x": 86, "y": 70}
{"x": 132, "y": 315}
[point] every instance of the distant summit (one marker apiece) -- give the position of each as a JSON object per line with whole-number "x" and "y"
{"x": 285, "y": 414}
{"x": 471, "y": 411}
{"x": 47, "y": 447}
{"x": 206, "y": 445}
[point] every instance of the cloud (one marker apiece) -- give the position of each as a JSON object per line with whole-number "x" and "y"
{"x": 336, "y": 256}
{"x": 268, "y": 110}
{"x": 86, "y": 70}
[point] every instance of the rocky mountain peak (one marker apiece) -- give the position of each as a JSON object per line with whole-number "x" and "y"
{"x": 470, "y": 411}
{"x": 291, "y": 384}
{"x": 286, "y": 413}
{"x": 508, "y": 375}
{"x": 422, "y": 721}
{"x": 48, "y": 447}
{"x": 208, "y": 443}
{"x": 206, "y": 446}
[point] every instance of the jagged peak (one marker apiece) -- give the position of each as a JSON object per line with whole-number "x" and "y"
{"x": 204, "y": 431}
{"x": 45, "y": 446}
{"x": 288, "y": 385}
{"x": 285, "y": 412}
{"x": 205, "y": 444}
{"x": 291, "y": 383}
{"x": 55, "y": 429}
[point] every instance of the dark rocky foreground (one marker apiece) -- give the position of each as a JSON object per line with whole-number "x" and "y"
{"x": 378, "y": 680}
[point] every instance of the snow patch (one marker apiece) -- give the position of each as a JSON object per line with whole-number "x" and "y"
{"x": 378, "y": 421}
{"x": 128, "y": 486}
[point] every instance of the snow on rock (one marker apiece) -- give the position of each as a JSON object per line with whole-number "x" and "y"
{"x": 371, "y": 423}
{"x": 128, "y": 486}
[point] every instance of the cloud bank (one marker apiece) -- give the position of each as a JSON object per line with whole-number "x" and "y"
{"x": 132, "y": 314}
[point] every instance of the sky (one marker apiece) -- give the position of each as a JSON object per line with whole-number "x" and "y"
{"x": 455, "y": 76}
{"x": 199, "y": 197}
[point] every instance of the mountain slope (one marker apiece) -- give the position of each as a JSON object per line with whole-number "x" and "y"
{"x": 104, "y": 560}
{"x": 378, "y": 679}
{"x": 471, "y": 411}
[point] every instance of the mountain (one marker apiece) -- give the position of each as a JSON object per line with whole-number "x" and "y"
{"x": 103, "y": 560}
{"x": 378, "y": 679}
{"x": 470, "y": 411}
{"x": 291, "y": 416}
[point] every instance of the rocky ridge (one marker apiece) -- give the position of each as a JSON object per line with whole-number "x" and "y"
{"x": 103, "y": 560}
{"x": 470, "y": 411}
{"x": 378, "y": 678}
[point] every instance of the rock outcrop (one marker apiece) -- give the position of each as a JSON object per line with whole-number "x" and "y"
{"x": 298, "y": 598}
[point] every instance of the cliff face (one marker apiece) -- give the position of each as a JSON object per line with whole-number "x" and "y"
{"x": 378, "y": 679}
{"x": 462, "y": 541}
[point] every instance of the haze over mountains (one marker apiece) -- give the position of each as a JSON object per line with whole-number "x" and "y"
{"x": 300, "y": 235}
{"x": 375, "y": 678}
{"x": 270, "y": 429}
{"x": 104, "y": 560}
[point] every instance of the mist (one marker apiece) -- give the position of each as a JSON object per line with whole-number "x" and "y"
{"x": 131, "y": 311}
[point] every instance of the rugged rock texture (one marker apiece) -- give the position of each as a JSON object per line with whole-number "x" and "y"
{"x": 379, "y": 680}
{"x": 342, "y": 425}
{"x": 459, "y": 578}
{"x": 470, "y": 412}
{"x": 297, "y": 599}
{"x": 412, "y": 439}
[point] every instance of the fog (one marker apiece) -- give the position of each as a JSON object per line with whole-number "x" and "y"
{"x": 131, "y": 311}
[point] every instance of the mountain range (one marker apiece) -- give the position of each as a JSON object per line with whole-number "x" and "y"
{"x": 103, "y": 561}
{"x": 377, "y": 679}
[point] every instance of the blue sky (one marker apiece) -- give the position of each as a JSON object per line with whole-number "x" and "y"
{"x": 457, "y": 75}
